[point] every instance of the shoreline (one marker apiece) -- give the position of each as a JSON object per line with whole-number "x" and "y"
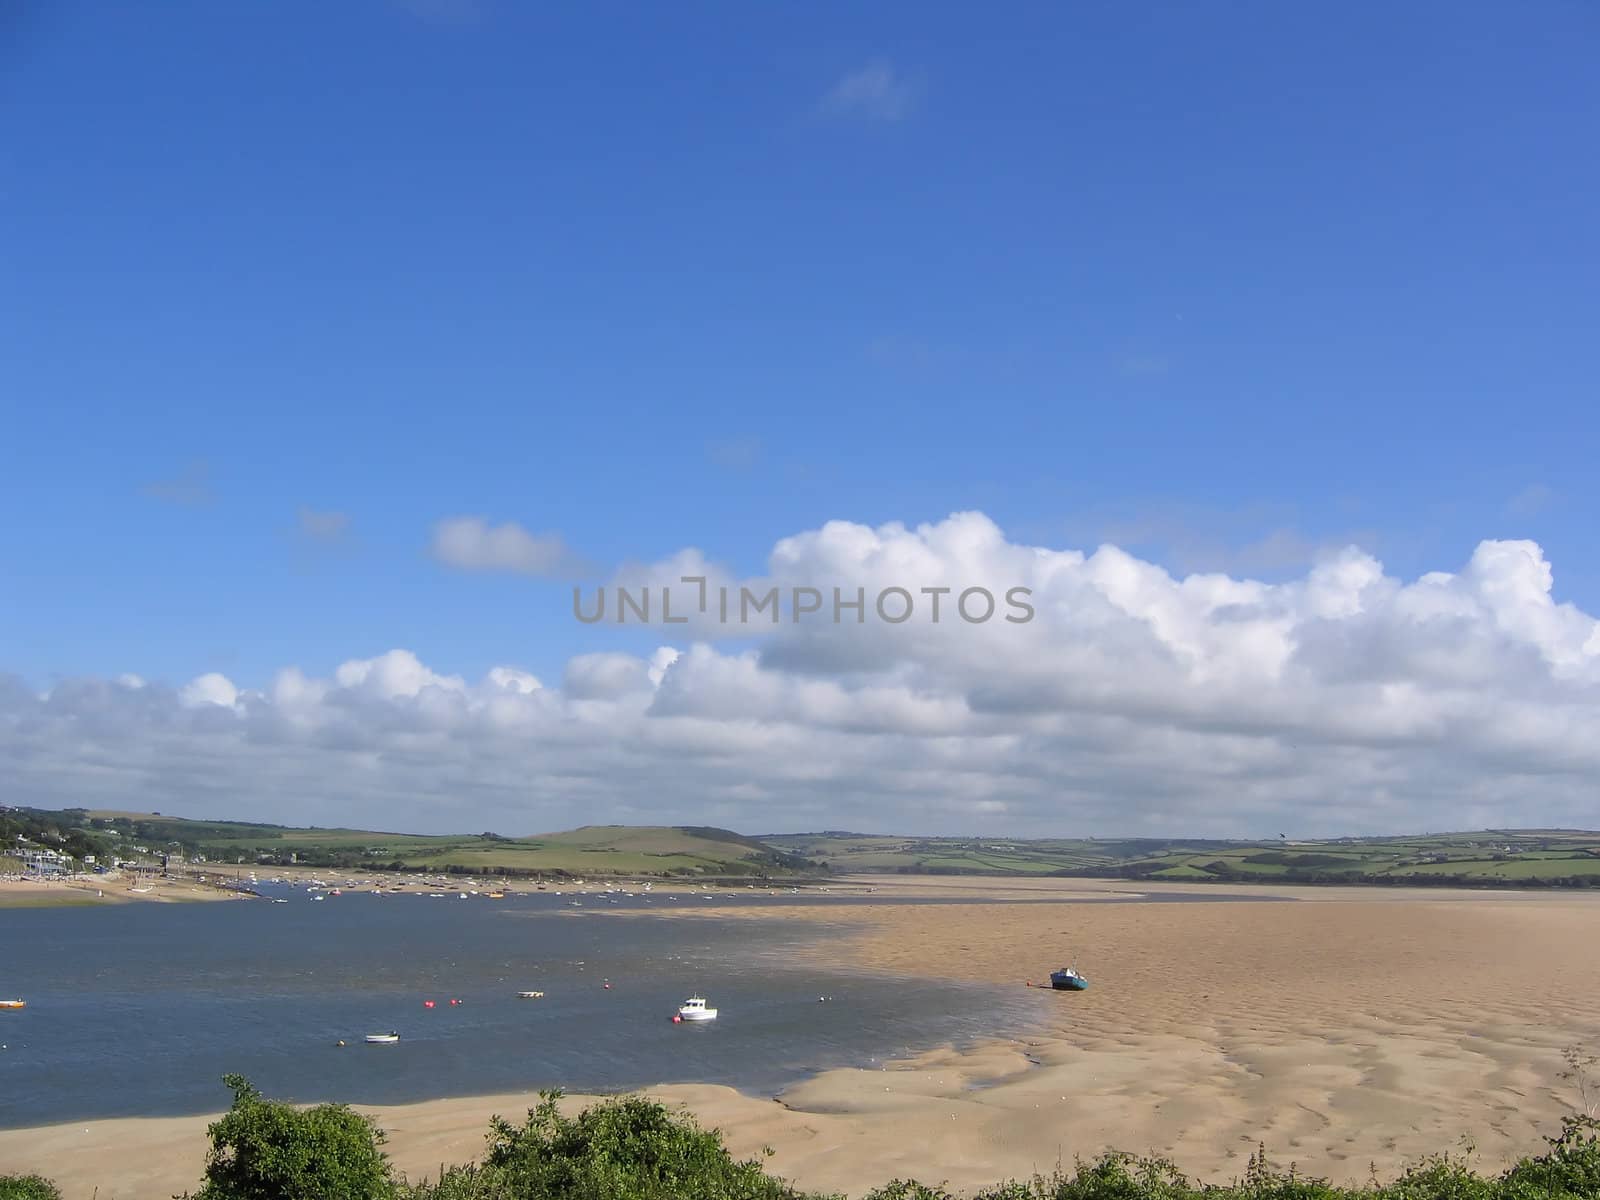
{"x": 1341, "y": 1031}
{"x": 101, "y": 890}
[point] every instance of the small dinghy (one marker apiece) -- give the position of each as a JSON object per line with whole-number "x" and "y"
{"x": 694, "y": 1009}
{"x": 382, "y": 1039}
{"x": 531, "y": 995}
{"x": 1067, "y": 980}
{"x": 13, "y": 1004}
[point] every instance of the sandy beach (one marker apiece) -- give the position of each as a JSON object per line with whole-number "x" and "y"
{"x": 108, "y": 889}
{"x": 1344, "y": 1028}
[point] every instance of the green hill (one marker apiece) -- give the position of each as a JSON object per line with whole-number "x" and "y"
{"x": 1503, "y": 857}
{"x": 694, "y": 851}
{"x": 1490, "y": 858}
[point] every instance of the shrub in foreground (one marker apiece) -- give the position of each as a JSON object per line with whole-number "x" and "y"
{"x": 266, "y": 1150}
{"x": 635, "y": 1149}
{"x": 623, "y": 1149}
{"x": 1570, "y": 1170}
{"x": 27, "y": 1187}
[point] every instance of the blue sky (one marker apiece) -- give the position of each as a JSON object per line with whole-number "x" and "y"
{"x": 1229, "y": 286}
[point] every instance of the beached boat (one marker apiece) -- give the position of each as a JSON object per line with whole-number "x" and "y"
{"x": 531, "y": 995}
{"x": 694, "y": 1009}
{"x": 13, "y": 1004}
{"x": 383, "y": 1039}
{"x": 1067, "y": 980}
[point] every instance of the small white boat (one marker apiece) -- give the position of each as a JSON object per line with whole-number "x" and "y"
{"x": 531, "y": 995}
{"x": 694, "y": 1009}
{"x": 383, "y": 1039}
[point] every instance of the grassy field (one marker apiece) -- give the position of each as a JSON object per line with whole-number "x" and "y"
{"x": 592, "y": 850}
{"x": 1508, "y": 858}
{"x": 1493, "y": 857}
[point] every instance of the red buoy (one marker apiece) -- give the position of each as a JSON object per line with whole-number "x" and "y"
{"x": 676, "y": 1019}
{"x": 427, "y": 1004}
{"x": 455, "y": 1002}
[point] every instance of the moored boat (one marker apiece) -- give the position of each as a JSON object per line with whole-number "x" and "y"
{"x": 694, "y": 1009}
{"x": 531, "y": 995}
{"x": 1067, "y": 979}
{"x": 383, "y": 1039}
{"x": 13, "y": 1004}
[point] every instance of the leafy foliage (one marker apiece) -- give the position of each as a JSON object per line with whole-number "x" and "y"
{"x": 266, "y": 1150}
{"x": 627, "y": 1149}
{"x": 27, "y": 1187}
{"x": 634, "y": 1149}
{"x": 1570, "y": 1170}
{"x": 908, "y": 1189}
{"x": 58, "y": 831}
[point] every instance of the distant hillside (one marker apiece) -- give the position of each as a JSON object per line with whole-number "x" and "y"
{"x": 1492, "y": 858}
{"x": 1504, "y": 858}
{"x": 694, "y": 851}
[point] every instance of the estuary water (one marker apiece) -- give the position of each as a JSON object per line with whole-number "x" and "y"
{"x": 140, "y": 1009}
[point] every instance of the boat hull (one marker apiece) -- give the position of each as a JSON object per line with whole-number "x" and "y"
{"x": 1070, "y": 985}
{"x": 703, "y": 1014}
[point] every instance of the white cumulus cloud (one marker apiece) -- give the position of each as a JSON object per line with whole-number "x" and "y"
{"x": 1136, "y": 701}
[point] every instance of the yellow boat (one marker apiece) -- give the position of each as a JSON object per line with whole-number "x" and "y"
{"x": 13, "y": 1004}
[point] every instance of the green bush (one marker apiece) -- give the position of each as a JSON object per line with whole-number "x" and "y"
{"x": 27, "y": 1187}
{"x": 625, "y": 1149}
{"x": 266, "y": 1150}
{"x": 908, "y": 1189}
{"x": 1569, "y": 1171}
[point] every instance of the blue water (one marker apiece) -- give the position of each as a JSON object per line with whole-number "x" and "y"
{"x": 140, "y": 1009}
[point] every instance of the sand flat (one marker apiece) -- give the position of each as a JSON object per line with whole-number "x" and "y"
{"x": 116, "y": 889}
{"x": 1344, "y": 1028}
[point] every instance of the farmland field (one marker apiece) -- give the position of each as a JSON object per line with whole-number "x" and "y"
{"x": 1506, "y": 858}
{"x": 1494, "y": 857}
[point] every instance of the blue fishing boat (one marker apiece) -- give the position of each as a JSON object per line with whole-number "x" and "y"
{"x": 1067, "y": 980}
